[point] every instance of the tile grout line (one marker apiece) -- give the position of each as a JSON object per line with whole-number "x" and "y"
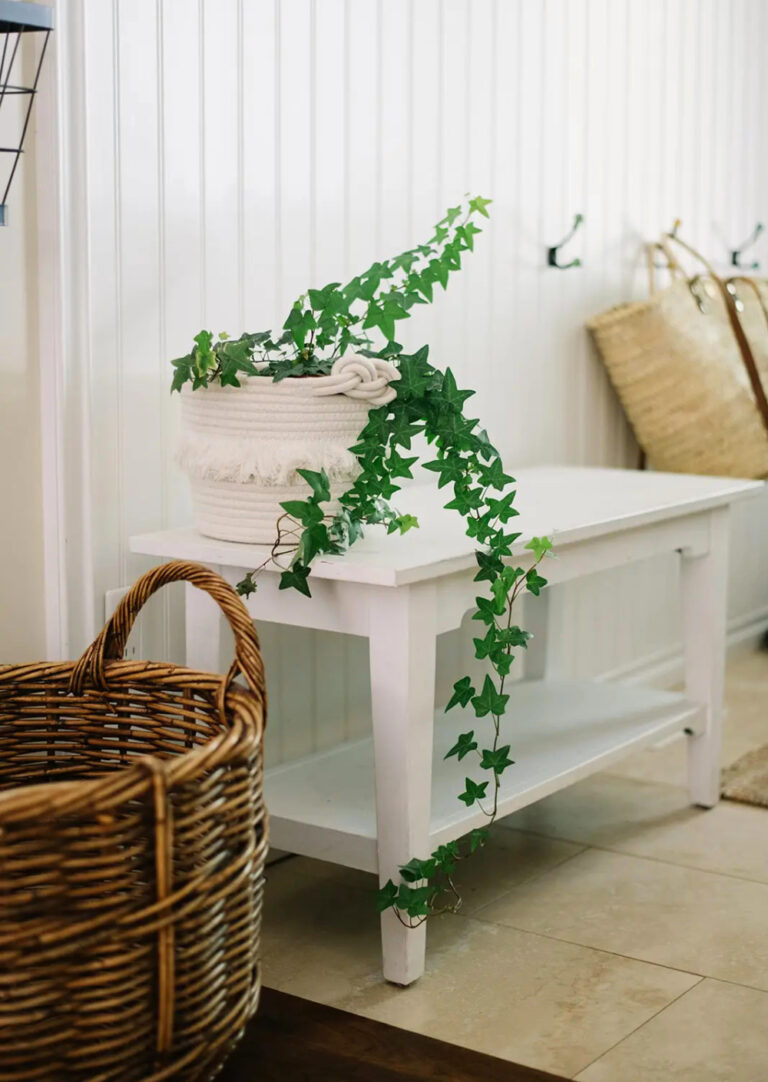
{"x": 612, "y": 953}
{"x": 638, "y": 856}
{"x": 530, "y": 878}
{"x": 617, "y": 954}
{"x": 636, "y": 1029}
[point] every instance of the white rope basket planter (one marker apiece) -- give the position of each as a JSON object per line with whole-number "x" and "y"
{"x": 241, "y": 446}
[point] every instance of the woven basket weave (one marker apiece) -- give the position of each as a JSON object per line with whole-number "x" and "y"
{"x": 132, "y": 844}
{"x": 680, "y": 374}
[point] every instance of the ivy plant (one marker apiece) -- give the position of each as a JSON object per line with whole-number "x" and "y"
{"x": 321, "y": 326}
{"x": 324, "y": 324}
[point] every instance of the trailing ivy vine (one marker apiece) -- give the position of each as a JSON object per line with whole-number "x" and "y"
{"x": 324, "y": 324}
{"x": 430, "y": 403}
{"x": 321, "y": 326}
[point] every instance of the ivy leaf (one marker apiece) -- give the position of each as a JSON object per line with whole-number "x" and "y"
{"x": 464, "y": 745}
{"x": 534, "y": 582}
{"x": 228, "y": 373}
{"x": 466, "y": 499}
{"x": 451, "y": 215}
{"x": 299, "y": 323}
{"x": 397, "y": 466}
{"x": 416, "y": 870}
{"x": 486, "y": 610}
{"x": 502, "y": 508}
{"x": 489, "y": 701}
{"x": 304, "y": 511}
{"x": 462, "y": 693}
{"x": 386, "y": 897}
{"x": 314, "y": 539}
{"x": 514, "y": 636}
{"x": 423, "y": 283}
{"x": 451, "y": 395}
{"x": 403, "y": 523}
{"x": 402, "y": 431}
{"x": 318, "y": 482}
{"x": 414, "y": 900}
{"x": 490, "y": 566}
{"x": 477, "y": 837}
{"x": 497, "y": 761}
{"x": 494, "y": 477}
{"x": 183, "y": 373}
{"x": 479, "y": 204}
{"x": 440, "y": 272}
{"x": 413, "y": 379}
{"x": 499, "y": 590}
{"x": 539, "y": 546}
{"x": 473, "y": 791}
{"x": 450, "y": 469}
{"x": 246, "y": 587}
{"x": 446, "y": 856}
{"x": 486, "y": 448}
{"x": 504, "y": 542}
{"x": 295, "y": 578}
{"x": 486, "y": 646}
{"x": 502, "y": 663}
{"x": 468, "y": 232}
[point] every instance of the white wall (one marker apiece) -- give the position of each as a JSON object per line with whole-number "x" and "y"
{"x": 218, "y": 157}
{"x": 22, "y": 622}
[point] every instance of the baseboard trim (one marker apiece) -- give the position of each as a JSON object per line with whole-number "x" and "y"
{"x": 664, "y": 668}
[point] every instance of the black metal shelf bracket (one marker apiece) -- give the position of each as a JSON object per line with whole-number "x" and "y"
{"x": 19, "y": 17}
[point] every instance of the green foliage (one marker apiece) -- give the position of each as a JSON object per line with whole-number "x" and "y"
{"x": 468, "y": 465}
{"x": 429, "y": 403}
{"x": 324, "y": 324}
{"x": 463, "y": 746}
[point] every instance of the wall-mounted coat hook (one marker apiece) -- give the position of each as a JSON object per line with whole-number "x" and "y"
{"x": 736, "y": 253}
{"x": 552, "y": 252}
{"x": 672, "y": 233}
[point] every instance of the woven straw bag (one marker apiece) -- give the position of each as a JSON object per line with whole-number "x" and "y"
{"x": 132, "y": 845}
{"x": 690, "y": 365}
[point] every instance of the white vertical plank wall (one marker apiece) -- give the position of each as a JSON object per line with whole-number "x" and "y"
{"x": 226, "y": 154}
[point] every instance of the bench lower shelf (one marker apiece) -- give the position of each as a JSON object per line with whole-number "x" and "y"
{"x": 324, "y": 805}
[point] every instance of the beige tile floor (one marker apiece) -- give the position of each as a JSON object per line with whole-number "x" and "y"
{"x": 610, "y": 933}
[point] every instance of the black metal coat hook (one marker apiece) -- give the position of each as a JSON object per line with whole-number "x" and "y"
{"x": 552, "y": 252}
{"x": 736, "y": 253}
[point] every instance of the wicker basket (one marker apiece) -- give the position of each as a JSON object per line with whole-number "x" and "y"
{"x": 691, "y": 372}
{"x": 132, "y": 845}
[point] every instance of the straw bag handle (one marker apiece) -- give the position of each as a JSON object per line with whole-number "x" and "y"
{"x": 733, "y": 316}
{"x": 673, "y": 266}
{"x": 110, "y": 643}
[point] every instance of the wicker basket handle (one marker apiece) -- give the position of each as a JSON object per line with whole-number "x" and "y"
{"x": 745, "y": 349}
{"x": 110, "y": 643}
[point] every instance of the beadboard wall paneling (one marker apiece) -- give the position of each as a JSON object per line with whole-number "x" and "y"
{"x": 224, "y": 154}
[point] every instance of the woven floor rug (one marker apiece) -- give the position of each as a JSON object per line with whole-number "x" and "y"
{"x": 747, "y": 779}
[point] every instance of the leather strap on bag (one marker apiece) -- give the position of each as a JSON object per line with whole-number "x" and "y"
{"x": 742, "y": 341}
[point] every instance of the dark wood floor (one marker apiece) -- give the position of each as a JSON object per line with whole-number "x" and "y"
{"x": 295, "y": 1040}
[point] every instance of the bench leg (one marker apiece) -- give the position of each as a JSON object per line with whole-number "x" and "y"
{"x": 544, "y": 618}
{"x": 704, "y": 581}
{"x": 402, "y": 660}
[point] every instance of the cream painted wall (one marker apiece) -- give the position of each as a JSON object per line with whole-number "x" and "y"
{"x": 22, "y": 620}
